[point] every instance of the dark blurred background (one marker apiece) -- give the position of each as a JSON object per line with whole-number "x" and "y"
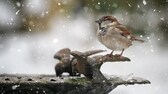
{"x": 31, "y": 31}
{"x": 35, "y": 15}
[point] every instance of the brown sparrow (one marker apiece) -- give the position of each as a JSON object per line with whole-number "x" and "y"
{"x": 114, "y": 35}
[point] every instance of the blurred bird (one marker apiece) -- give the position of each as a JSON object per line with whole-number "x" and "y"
{"x": 114, "y": 35}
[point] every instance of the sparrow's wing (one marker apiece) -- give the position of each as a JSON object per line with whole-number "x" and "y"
{"x": 123, "y": 30}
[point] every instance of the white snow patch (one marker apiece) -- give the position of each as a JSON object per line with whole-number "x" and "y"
{"x": 15, "y": 86}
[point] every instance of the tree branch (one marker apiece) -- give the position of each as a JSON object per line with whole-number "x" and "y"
{"x": 94, "y": 81}
{"x": 49, "y": 84}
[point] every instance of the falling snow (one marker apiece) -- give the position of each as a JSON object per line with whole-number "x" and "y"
{"x": 18, "y": 4}
{"x": 148, "y": 38}
{"x": 141, "y": 36}
{"x": 152, "y": 50}
{"x": 162, "y": 19}
{"x": 144, "y": 2}
{"x": 59, "y": 4}
{"x": 129, "y": 4}
{"x": 61, "y": 34}
{"x": 17, "y": 12}
{"x": 30, "y": 29}
{"x": 138, "y": 6}
{"x": 55, "y": 41}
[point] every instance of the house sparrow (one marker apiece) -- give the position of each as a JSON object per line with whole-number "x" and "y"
{"x": 114, "y": 35}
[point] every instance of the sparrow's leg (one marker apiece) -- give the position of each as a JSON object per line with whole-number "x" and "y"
{"x": 120, "y": 53}
{"x": 112, "y": 53}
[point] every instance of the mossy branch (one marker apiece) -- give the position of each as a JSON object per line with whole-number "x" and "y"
{"x": 49, "y": 84}
{"x": 94, "y": 81}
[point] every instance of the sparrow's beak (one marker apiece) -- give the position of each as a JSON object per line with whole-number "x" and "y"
{"x": 98, "y": 21}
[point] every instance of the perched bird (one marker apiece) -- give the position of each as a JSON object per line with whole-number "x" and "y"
{"x": 114, "y": 35}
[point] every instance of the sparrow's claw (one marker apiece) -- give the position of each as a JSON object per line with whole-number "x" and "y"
{"x": 120, "y": 55}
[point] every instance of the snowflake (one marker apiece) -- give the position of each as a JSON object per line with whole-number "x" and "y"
{"x": 55, "y": 41}
{"x": 141, "y": 36}
{"x": 46, "y": 12}
{"x": 59, "y": 4}
{"x": 152, "y": 50}
{"x": 129, "y": 4}
{"x": 162, "y": 19}
{"x": 30, "y": 29}
{"x": 148, "y": 38}
{"x": 138, "y": 6}
{"x": 17, "y": 11}
{"x": 144, "y": 2}
{"x": 18, "y": 4}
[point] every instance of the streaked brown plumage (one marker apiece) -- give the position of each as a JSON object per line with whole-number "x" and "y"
{"x": 114, "y": 35}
